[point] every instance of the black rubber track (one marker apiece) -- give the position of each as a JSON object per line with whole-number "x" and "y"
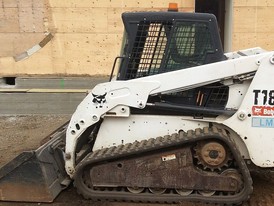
{"x": 166, "y": 142}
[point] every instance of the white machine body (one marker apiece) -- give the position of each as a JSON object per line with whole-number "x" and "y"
{"x": 252, "y": 98}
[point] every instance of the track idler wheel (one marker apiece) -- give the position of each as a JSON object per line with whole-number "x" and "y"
{"x": 236, "y": 175}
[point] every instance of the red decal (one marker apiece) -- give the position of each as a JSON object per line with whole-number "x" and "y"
{"x": 263, "y": 111}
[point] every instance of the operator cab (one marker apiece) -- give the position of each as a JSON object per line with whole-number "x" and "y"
{"x": 159, "y": 42}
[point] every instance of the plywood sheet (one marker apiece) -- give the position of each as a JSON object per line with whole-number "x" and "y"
{"x": 244, "y": 20}
{"x": 255, "y": 3}
{"x": 14, "y": 43}
{"x": 83, "y": 3}
{"x": 117, "y": 3}
{"x": 87, "y": 34}
{"x": 249, "y": 40}
{"x": 74, "y": 20}
{"x": 265, "y": 19}
{"x": 26, "y": 19}
{"x": 266, "y": 40}
{"x": 89, "y": 54}
{"x": 244, "y": 40}
{"x": 9, "y": 3}
{"x": 244, "y": 3}
{"x": 149, "y": 4}
{"x": 75, "y": 54}
{"x": 253, "y": 26}
{"x": 23, "y": 24}
{"x": 9, "y": 20}
{"x": 188, "y": 4}
{"x": 269, "y": 2}
{"x": 114, "y": 20}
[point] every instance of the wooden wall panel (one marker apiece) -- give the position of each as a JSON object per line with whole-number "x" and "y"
{"x": 117, "y": 3}
{"x": 245, "y": 20}
{"x": 23, "y": 24}
{"x": 10, "y": 42}
{"x": 244, "y": 40}
{"x": 26, "y": 19}
{"x": 253, "y": 24}
{"x": 41, "y": 64}
{"x": 266, "y": 39}
{"x": 254, "y": 3}
{"x": 9, "y": 21}
{"x": 115, "y": 24}
{"x": 87, "y": 34}
{"x": 265, "y": 21}
{"x": 244, "y": 3}
{"x": 80, "y": 20}
{"x": 9, "y": 3}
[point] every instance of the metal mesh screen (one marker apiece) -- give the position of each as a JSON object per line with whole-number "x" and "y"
{"x": 154, "y": 49}
{"x": 164, "y": 46}
{"x": 218, "y": 97}
{"x": 189, "y": 46}
{"x": 148, "y": 51}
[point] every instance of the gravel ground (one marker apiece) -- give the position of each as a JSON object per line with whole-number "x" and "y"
{"x": 19, "y": 133}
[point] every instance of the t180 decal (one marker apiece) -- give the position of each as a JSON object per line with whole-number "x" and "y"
{"x": 263, "y": 97}
{"x": 265, "y": 100}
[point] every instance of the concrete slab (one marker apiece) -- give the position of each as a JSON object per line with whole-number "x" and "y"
{"x": 39, "y": 103}
{"x": 15, "y": 90}
{"x": 59, "y": 82}
{"x": 45, "y": 95}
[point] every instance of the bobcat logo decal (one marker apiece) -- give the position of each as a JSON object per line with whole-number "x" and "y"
{"x": 99, "y": 99}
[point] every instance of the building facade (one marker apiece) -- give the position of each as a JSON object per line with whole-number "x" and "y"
{"x": 82, "y": 38}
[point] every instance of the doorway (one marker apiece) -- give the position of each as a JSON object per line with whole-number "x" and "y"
{"x": 222, "y": 9}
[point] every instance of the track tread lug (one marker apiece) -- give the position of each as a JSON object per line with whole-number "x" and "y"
{"x": 206, "y": 130}
{"x": 198, "y": 132}
{"x": 189, "y": 134}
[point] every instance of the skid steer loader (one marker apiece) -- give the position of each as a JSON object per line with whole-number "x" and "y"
{"x": 180, "y": 121}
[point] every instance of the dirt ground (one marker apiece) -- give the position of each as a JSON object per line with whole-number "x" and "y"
{"x": 19, "y": 133}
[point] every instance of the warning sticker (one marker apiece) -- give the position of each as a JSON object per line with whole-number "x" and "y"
{"x": 169, "y": 157}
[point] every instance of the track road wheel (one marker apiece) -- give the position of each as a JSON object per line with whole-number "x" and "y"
{"x": 206, "y": 193}
{"x": 157, "y": 191}
{"x": 135, "y": 190}
{"x": 184, "y": 192}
